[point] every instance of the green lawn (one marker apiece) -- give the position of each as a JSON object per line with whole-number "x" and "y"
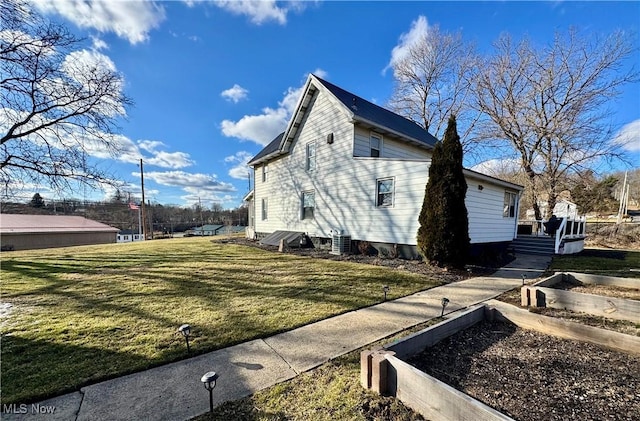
{"x": 600, "y": 261}
{"x": 75, "y": 316}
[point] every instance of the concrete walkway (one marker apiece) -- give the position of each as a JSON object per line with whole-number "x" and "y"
{"x": 174, "y": 391}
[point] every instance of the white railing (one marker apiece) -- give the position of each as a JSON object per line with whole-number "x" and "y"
{"x": 569, "y": 228}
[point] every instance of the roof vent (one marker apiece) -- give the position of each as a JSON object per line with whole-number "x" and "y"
{"x": 353, "y": 105}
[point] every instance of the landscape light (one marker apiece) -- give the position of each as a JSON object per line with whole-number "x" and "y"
{"x": 524, "y": 276}
{"x": 469, "y": 272}
{"x": 186, "y": 331}
{"x": 444, "y": 303}
{"x": 209, "y": 379}
{"x": 385, "y": 289}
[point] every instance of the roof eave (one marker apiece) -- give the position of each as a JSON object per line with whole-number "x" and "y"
{"x": 494, "y": 180}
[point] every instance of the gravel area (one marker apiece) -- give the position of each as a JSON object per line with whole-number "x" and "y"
{"x": 530, "y": 376}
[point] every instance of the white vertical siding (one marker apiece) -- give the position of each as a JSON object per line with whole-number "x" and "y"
{"x": 345, "y": 187}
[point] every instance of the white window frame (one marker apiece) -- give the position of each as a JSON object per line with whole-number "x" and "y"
{"x": 310, "y": 163}
{"x": 265, "y": 208}
{"x": 379, "y": 138}
{"x": 510, "y": 202}
{"x": 379, "y": 203}
{"x": 265, "y": 173}
{"x": 311, "y": 214}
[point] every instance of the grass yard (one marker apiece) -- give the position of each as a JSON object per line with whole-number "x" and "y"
{"x": 600, "y": 261}
{"x": 75, "y": 316}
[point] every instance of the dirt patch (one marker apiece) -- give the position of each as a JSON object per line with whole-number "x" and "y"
{"x": 531, "y": 376}
{"x": 605, "y": 290}
{"x": 623, "y": 326}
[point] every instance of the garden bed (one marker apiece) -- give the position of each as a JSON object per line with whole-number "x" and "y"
{"x": 528, "y": 375}
{"x": 501, "y": 362}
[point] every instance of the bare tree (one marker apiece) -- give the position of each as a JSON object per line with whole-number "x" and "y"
{"x": 58, "y": 103}
{"x": 432, "y": 83}
{"x": 550, "y": 104}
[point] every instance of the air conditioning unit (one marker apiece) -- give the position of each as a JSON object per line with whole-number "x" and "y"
{"x": 340, "y": 244}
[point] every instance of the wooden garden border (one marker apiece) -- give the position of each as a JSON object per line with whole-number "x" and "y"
{"x": 384, "y": 371}
{"x": 542, "y": 294}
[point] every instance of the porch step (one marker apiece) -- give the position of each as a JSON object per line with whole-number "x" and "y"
{"x": 291, "y": 238}
{"x": 542, "y": 245}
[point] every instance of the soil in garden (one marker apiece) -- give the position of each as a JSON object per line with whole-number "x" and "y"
{"x": 531, "y": 376}
{"x": 605, "y": 290}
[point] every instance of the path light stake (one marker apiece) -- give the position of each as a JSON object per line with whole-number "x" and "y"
{"x": 186, "y": 331}
{"x": 524, "y": 276}
{"x": 385, "y": 289}
{"x": 469, "y": 272}
{"x": 444, "y": 303}
{"x": 209, "y": 379}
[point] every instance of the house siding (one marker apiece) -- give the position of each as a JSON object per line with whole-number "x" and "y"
{"x": 345, "y": 186}
{"x": 391, "y": 148}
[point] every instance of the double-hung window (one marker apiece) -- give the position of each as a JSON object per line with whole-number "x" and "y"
{"x": 509, "y": 209}
{"x": 375, "y": 145}
{"x": 384, "y": 192}
{"x": 265, "y": 173}
{"x": 311, "y": 156}
{"x": 308, "y": 204}
{"x": 265, "y": 204}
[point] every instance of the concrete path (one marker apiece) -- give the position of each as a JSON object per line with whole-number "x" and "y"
{"x": 174, "y": 391}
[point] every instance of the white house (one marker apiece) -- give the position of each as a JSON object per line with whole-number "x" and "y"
{"x": 345, "y": 166}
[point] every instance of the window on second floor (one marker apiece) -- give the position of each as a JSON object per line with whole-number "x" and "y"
{"x": 308, "y": 204}
{"x": 311, "y": 156}
{"x": 509, "y": 209}
{"x": 375, "y": 144}
{"x": 384, "y": 192}
{"x": 265, "y": 173}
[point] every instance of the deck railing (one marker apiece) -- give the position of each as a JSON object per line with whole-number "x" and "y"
{"x": 571, "y": 227}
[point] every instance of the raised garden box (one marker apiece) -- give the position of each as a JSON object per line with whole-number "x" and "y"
{"x": 386, "y": 370}
{"x": 546, "y": 294}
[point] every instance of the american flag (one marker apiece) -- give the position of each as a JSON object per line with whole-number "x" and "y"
{"x": 133, "y": 206}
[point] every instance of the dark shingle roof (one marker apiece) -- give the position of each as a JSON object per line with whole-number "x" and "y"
{"x": 367, "y": 112}
{"x": 377, "y": 115}
{"x": 269, "y": 149}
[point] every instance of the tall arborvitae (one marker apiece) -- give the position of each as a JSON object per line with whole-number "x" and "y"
{"x": 443, "y": 236}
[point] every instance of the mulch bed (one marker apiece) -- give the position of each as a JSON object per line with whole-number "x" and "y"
{"x": 531, "y": 376}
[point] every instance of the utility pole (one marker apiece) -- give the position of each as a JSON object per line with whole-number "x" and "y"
{"x": 144, "y": 225}
{"x": 623, "y": 193}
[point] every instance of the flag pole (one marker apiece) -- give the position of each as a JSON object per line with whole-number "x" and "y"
{"x": 144, "y": 228}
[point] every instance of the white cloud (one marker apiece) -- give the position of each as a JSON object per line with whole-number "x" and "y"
{"x": 260, "y": 129}
{"x": 258, "y": 11}
{"x": 629, "y": 136}
{"x": 97, "y": 44}
{"x": 240, "y": 169}
{"x": 263, "y": 128}
{"x": 132, "y": 20}
{"x": 195, "y": 184}
{"x": 419, "y": 29}
{"x": 322, "y": 74}
{"x": 236, "y": 93}
{"x": 497, "y": 167}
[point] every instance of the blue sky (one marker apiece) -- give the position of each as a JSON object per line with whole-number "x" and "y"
{"x": 213, "y": 82}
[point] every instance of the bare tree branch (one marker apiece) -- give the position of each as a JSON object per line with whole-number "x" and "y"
{"x": 58, "y": 103}
{"x": 551, "y": 104}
